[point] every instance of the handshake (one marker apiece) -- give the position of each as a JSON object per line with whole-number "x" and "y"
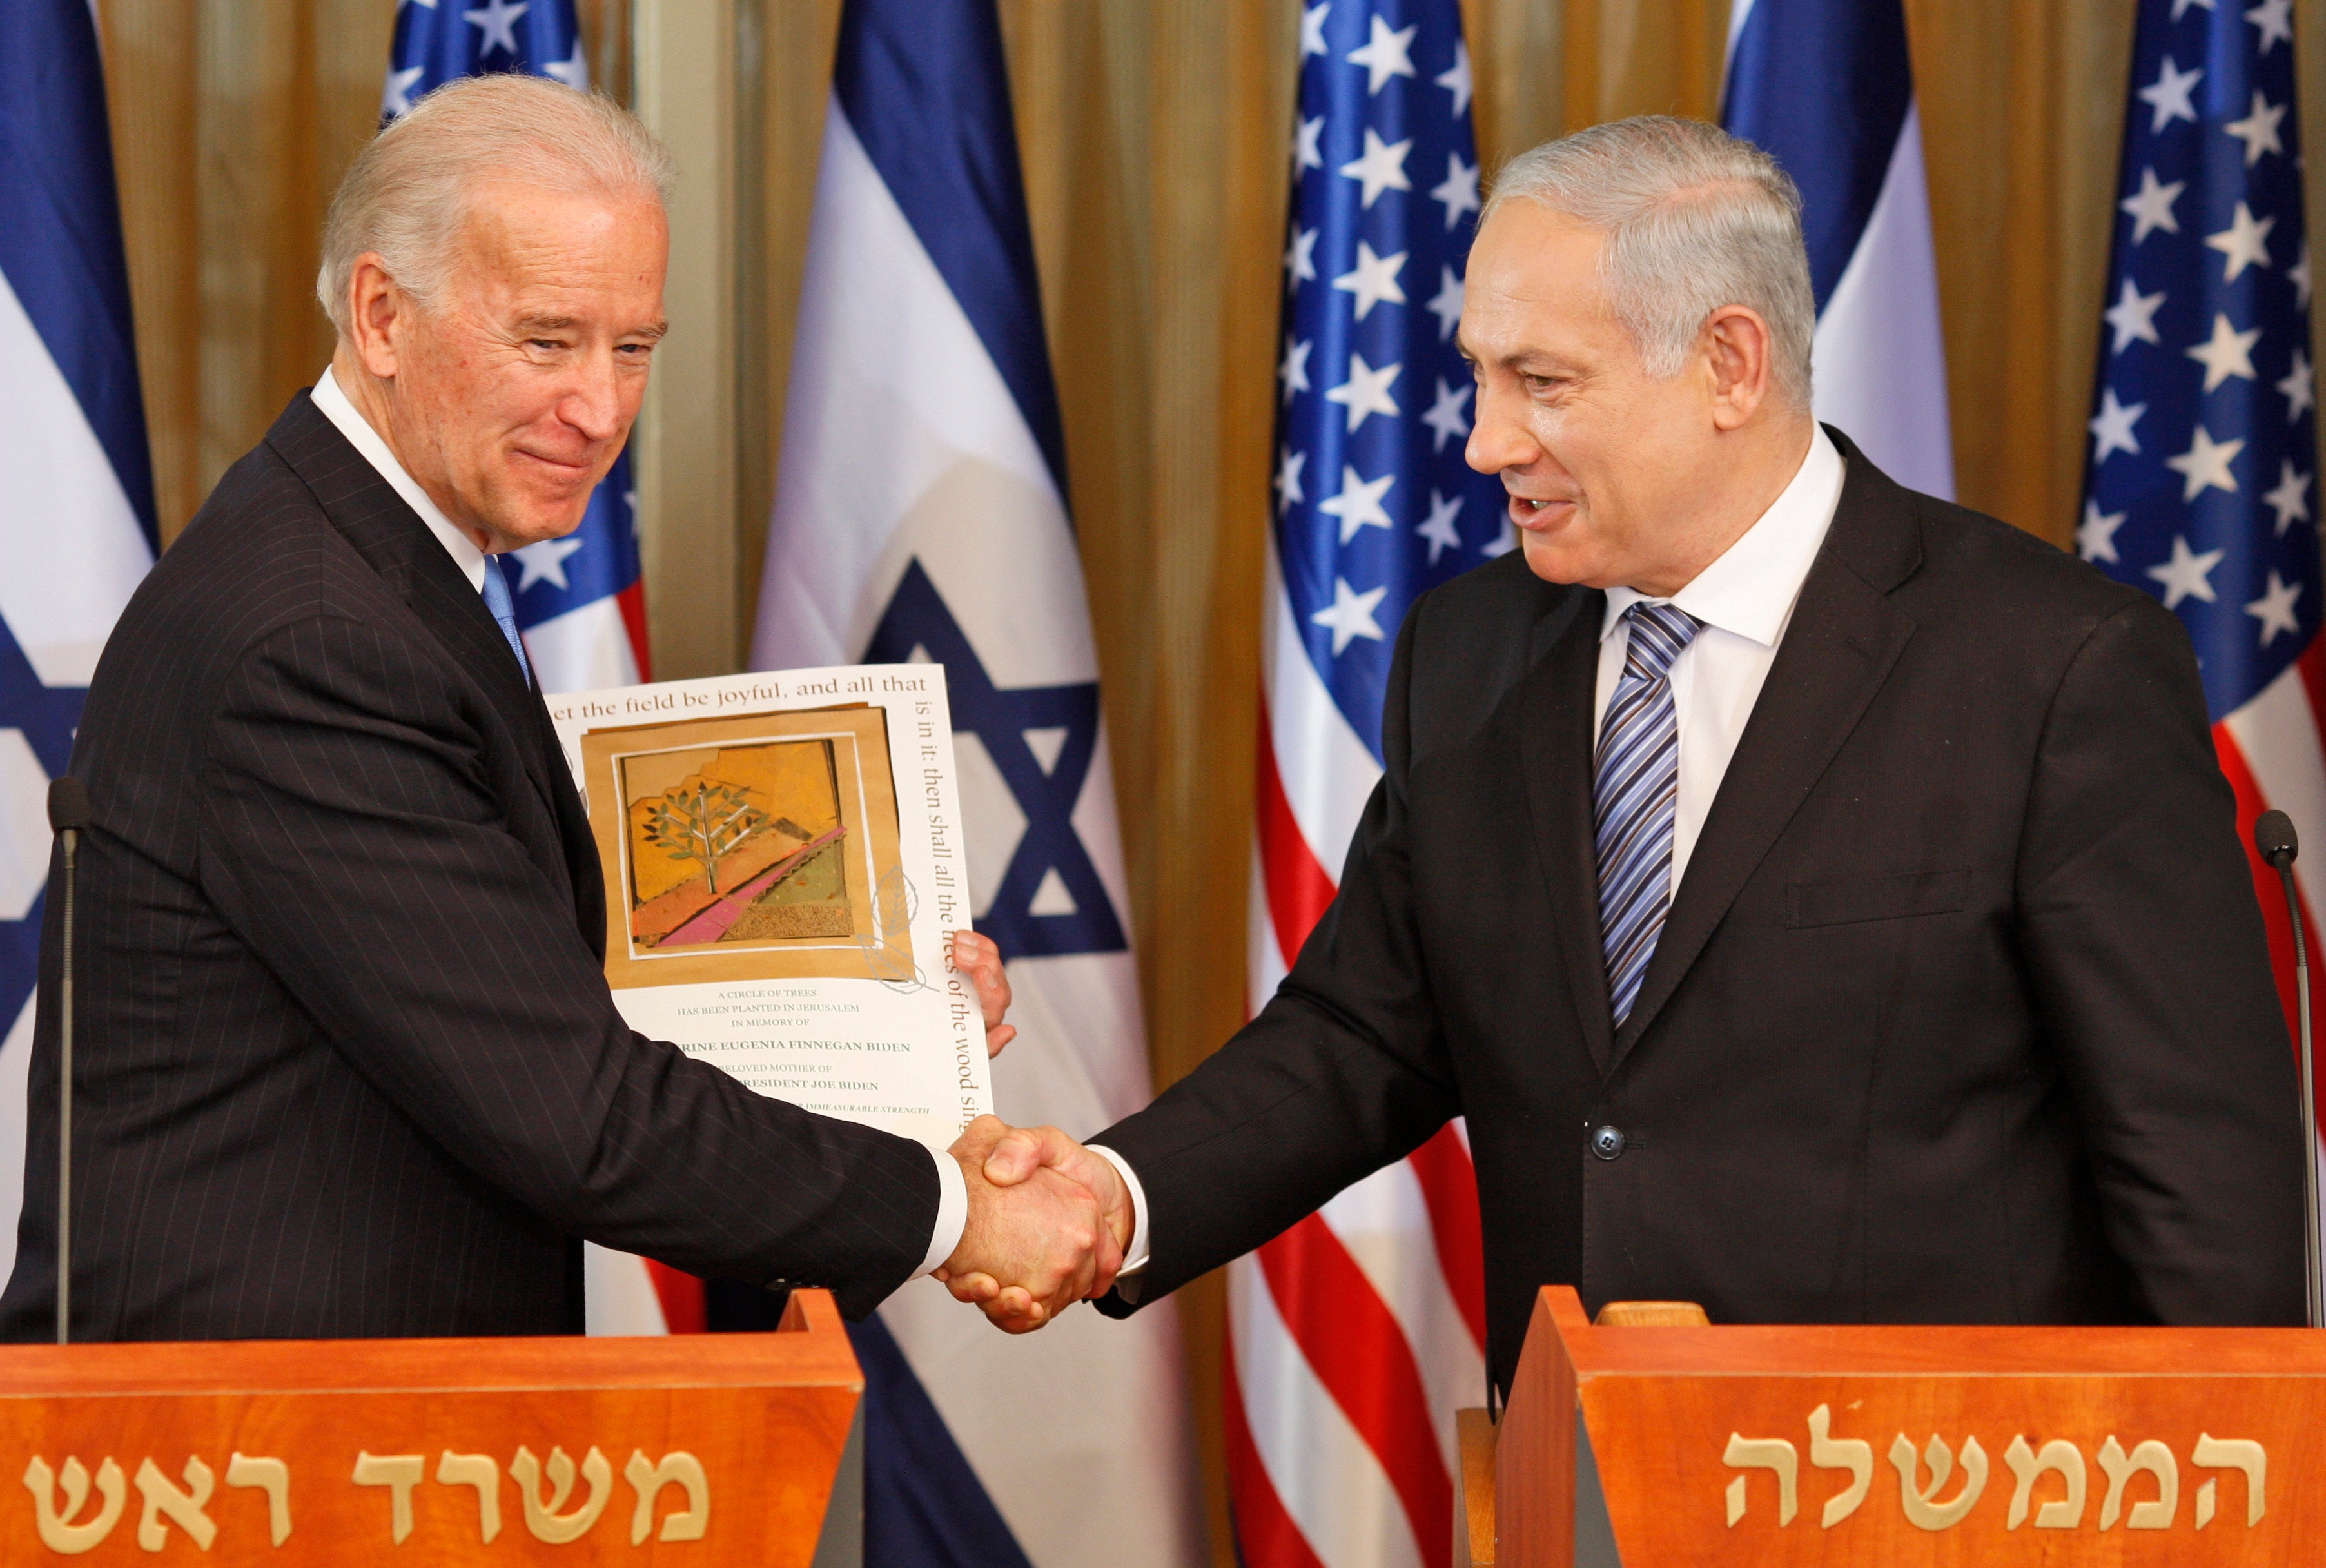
{"x": 1050, "y": 1223}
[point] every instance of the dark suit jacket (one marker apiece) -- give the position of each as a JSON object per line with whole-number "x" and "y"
{"x": 1962, "y": 1012}
{"x": 346, "y": 1062}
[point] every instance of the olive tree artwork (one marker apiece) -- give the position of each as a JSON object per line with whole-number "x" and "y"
{"x": 715, "y": 820}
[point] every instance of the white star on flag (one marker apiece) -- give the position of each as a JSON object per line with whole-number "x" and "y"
{"x": 2291, "y": 498}
{"x": 2186, "y": 576}
{"x": 1306, "y": 154}
{"x": 2275, "y": 20}
{"x": 1300, "y": 257}
{"x": 2298, "y": 275}
{"x": 2245, "y": 242}
{"x": 1288, "y": 492}
{"x": 2134, "y": 315}
{"x": 1447, "y": 417}
{"x": 1350, "y": 616}
{"x": 397, "y": 101}
{"x": 1503, "y": 543}
{"x": 1366, "y": 391}
{"x": 574, "y": 71}
{"x": 1373, "y": 279}
{"x": 1312, "y": 29}
{"x": 2205, "y": 463}
{"x": 2095, "y": 538}
{"x": 2168, "y": 94}
{"x": 2299, "y": 386}
{"x": 1446, "y": 304}
{"x": 2225, "y": 354}
{"x": 1358, "y": 506}
{"x": 499, "y": 21}
{"x": 2258, "y": 130}
{"x": 1456, "y": 79}
{"x": 1382, "y": 168}
{"x": 2274, "y": 609}
{"x": 2181, "y": 5}
{"x": 1439, "y": 529}
{"x": 1383, "y": 55}
{"x": 545, "y": 561}
{"x": 1458, "y": 191}
{"x": 1294, "y": 371}
{"x": 2111, "y": 427}
{"x": 2151, "y": 206}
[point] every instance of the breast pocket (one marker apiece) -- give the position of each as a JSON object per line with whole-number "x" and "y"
{"x": 1848, "y": 901}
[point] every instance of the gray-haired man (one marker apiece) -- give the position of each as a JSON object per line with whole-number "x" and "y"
{"x": 1821, "y": 901}
{"x": 347, "y": 1065}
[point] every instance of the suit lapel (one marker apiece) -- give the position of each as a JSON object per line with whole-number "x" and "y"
{"x": 389, "y": 536}
{"x": 1555, "y": 743}
{"x": 1844, "y": 637}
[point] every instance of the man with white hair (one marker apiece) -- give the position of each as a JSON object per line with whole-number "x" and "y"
{"x": 347, "y": 1062}
{"x": 1821, "y": 901}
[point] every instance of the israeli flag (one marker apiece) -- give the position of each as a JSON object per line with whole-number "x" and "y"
{"x": 76, "y": 528}
{"x": 1826, "y": 87}
{"x": 920, "y": 514}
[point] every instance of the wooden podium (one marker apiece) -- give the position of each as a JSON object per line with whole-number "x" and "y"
{"x": 710, "y": 1449}
{"x": 1648, "y": 1446}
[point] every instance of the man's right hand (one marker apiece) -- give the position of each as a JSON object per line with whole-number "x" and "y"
{"x": 1036, "y": 1242}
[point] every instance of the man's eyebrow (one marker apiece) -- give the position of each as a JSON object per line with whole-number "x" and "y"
{"x": 547, "y": 324}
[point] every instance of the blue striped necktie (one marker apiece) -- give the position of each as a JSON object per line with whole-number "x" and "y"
{"x": 1634, "y": 789}
{"x": 499, "y": 600}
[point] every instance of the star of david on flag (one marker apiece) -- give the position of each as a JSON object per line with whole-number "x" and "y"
{"x": 581, "y": 602}
{"x": 2200, "y": 475}
{"x": 79, "y": 531}
{"x": 1345, "y": 1362}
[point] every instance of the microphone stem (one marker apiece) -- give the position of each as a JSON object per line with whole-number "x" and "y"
{"x": 2313, "y": 1285}
{"x": 64, "y": 1101}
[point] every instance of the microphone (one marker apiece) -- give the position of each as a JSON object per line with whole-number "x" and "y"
{"x": 2273, "y": 837}
{"x": 68, "y": 818}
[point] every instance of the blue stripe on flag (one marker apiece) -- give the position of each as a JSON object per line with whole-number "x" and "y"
{"x": 926, "y": 90}
{"x": 60, "y": 227}
{"x": 924, "y": 1506}
{"x": 1824, "y": 88}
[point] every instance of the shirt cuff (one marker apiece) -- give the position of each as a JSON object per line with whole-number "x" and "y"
{"x": 1135, "y": 1258}
{"x": 953, "y": 1211}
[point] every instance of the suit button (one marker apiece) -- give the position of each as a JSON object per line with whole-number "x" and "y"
{"x": 1608, "y": 1143}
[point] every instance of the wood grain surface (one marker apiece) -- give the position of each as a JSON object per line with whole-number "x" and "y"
{"x": 363, "y": 1431}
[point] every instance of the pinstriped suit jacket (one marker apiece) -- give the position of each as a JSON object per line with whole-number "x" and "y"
{"x": 347, "y": 1065}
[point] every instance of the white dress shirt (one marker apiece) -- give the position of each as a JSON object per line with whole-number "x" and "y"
{"x": 1745, "y": 598}
{"x": 953, "y": 1188}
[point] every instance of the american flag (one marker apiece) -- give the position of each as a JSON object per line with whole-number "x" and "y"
{"x": 2203, "y": 453}
{"x": 580, "y": 604}
{"x": 1355, "y": 1335}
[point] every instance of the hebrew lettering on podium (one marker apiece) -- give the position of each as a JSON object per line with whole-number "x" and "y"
{"x": 545, "y": 1519}
{"x": 2026, "y": 1463}
{"x": 482, "y": 1472}
{"x": 1829, "y": 1452}
{"x": 184, "y": 1509}
{"x": 399, "y": 1472}
{"x": 270, "y": 1476}
{"x": 678, "y": 1468}
{"x": 1765, "y": 1453}
{"x": 58, "y": 1532}
{"x": 2232, "y": 1453}
{"x": 1924, "y": 1510}
{"x": 2120, "y": 1468}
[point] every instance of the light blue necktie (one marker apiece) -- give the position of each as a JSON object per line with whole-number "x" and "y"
{"x": 504, "y": 609}
{"x": 1633, "y": 791}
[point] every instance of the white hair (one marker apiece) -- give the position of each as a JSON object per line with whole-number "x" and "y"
{"x": 1694, "y": 220}
{"x": 407, "y": 196}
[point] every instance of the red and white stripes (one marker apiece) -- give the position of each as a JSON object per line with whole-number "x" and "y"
{"x": 1355, "y": 1335}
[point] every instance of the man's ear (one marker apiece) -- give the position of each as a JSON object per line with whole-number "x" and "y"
{"x": 1736, "y": 346}
{"x": 375, "y": 305}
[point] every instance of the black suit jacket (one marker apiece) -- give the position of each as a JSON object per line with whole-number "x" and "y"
{"x": 346, "y": 1062}
{"x": 1962, "y": 1012}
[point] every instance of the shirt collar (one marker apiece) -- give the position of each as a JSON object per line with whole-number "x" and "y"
{"x": 1751, "y": 588}
{"x": 339, "y": 411}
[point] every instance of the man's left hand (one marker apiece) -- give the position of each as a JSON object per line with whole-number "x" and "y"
{"x": 977, "y": 957}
